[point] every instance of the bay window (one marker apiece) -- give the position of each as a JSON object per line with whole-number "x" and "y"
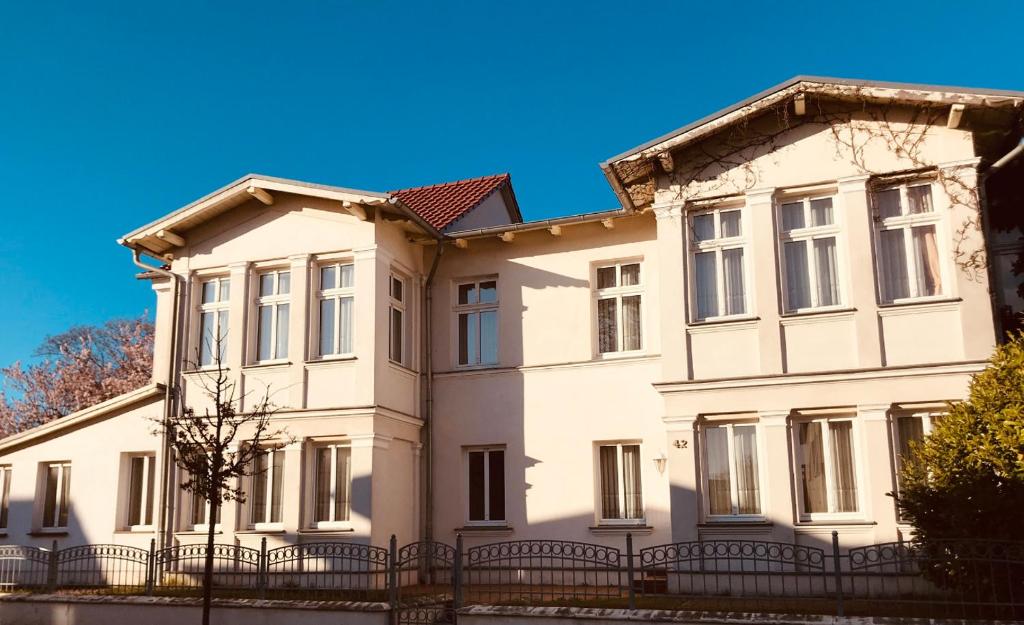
{"x": 332, "y": 485}
{"x": 56, "y": 495}
{"x": 396, "y": 320}
{"x": 272, "y": 309}
{"x": 336, "y": 296}
{"x": 908, "y": 234}
{"x": 213, "y": 321}
{"x": 621, "y": 491}
{"x": 486, "y": 486}
{"x": 826, "y": 468}
{"x": 266, "y": 488}
{"x": 807, "y": 235}
{"x": 619, "y": 311}
{"x": 717, "y": 260}
{"x": 476, "y": 313}
{"x": 731, "y": 473}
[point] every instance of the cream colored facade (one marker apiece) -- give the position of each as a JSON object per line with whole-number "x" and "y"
{"x": 551, "y": 434}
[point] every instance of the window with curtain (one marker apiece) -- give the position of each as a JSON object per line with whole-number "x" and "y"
{"x": 336, "y": 297}
{"x": 265, "y": 491}
{"x": 808, "y": 235}
{"x": 332, "y": 485}
{"x": 826, "y": 468}
{"x": 910, "y": 431}
{"x": 215, "y": 297}
{"x": 718, "y": 269}
{"x": 909, "y": 248}
{"x": 731, "y": 471}
{"x": 476, "y": 317}
{"x": 5, "y": 494}
{"x": 486, "y": 486}
{"x": 619, "y": 311}
{"x": 620, "y": 484}
{"x": 396, "y": 320}
{"x": 141, "y": 479}
{"x": 199, "y": 511}
{"x": 272, "y": 307}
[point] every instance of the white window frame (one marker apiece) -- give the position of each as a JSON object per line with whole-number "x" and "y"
{"x": 207, "y": 509}
{"x": 826, "y": 442}
{"x": 733, "y": 489}
{"x": 59, "y": 501}
{"x": 274, "y": 301}
{"x": 906, "y": 221}
{"x": 337, "y": 293}
{"x": 487, "y": 521}
{"x": 5, "y": 496}
{"x": 398, "y": 304}
{"x": 718, "y": 245}
{"x": 217, "y": 306}
{"x": 601, "y": 520}
{"x": 928, "y": 418}
{"x": 272, "y": 478}
{"x": 331, "y": 523}
{"x": 616, "y": 293}
{"x": 809, "y": 234}
{"x": 148, "y": 496}
{"x": 479, "y": 308}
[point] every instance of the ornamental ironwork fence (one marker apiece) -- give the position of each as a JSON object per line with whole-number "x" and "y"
{"x": 426, "y": 582}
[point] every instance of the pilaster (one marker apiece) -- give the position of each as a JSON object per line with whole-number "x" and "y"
{"x": 298, "y": 328}
{"x": 672, "y": 286}
{"x": 684, "y": 487}
{"x": 777, "y": 500}
{"x": 877, "y": 472}
{"x": 760, "y": 210}
{"x": 855, "y": 209}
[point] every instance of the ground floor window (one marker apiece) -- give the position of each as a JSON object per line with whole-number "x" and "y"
{"x": 333, "y": 484}
{"x": 56, "y": 495}
{"x": 826, "y": 467}
{"x": 140, "y": 490}
{"x": 731, "y": 472}
{"x": 5, "y": 494}
{"x": 486, "y": 485}
{"x": 620, "y": 483}
{"x": 267, "y": 482}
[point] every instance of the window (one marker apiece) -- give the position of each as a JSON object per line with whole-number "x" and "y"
{"x": 213, "y": 321}
{"x": 910, "y": 432}
{"x": 56, "y": 496}
{"x": 718, "y": 270}
{"x": 396, "y": 318}
{"x": 5, "y": 495}
{"x": 908, "y": 243}
{"x": 827, "y": 473}
{"x": 272, "y": 316}
{"x": 141, "y": 474}
{"x": 486, "y": 486}
{"x": 810, "y": 268}
{"x": 618, "y": 308}
{"x": 333, "y": 480}
{"x": 336, "y": 295}
{"x": 621, "y": 492}
{"x": 267, "y": 482}
{"x": 200, "y": 512}
{"x": 731, "y": 469}
{"x": 476, "y": 311}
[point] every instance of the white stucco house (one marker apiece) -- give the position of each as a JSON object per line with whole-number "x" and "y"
{"x": 743, "y": 349}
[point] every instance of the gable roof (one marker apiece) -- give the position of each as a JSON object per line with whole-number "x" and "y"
{"x": 910, "y": 92}
{"x": 441, "y": 205}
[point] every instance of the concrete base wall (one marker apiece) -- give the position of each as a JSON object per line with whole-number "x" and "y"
{"x": 63, "y": 610}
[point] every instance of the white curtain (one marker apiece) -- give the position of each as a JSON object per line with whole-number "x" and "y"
{"x": 920, "y": 199}
{"x": 888, "y": 202}
{"x": 732, "y": 268}
{"x": 731, "y": 225}
{"x": 792, "y": 216}
{"x": 323, "y": 484}
{"x": 705, "y": 285}
{"x": 259, "y": 487}
{"x": 631, "y": 482}
{"x": 798, "y": 289}
{"x": 812, "y": 468}
{"x": 704, "y": 227}
{"x": 631, "y": 322}
{"x": 929, "y": 279}
{"x": 828, "y": 283}
{"x": 719, "y": 497}
{"x": 607, "y": 330}
{"x": 845, "y": 486}
{"x": 821, "y": 212}
{"x": 281, "y": 348}
{"x": 266, "y": 321}
{"x": 326, "y": 327}
{"x": 345, "y": 325}
{"x": 894, "y": 265}
{"x": 343, "y": 483}
{"x": 747, "y": 491}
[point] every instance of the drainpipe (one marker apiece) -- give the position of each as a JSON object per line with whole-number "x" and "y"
{"x": 170, "y": 397}
{"x": 428, "y": 393}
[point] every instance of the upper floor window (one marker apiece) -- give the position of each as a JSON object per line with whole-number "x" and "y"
{"x": 266, "y": 487}
{"x": 141, "y": 477}
{"x": 731, "y": 473}
{"x": 213, "y": 321}
{"x": 826, "y": 467}
{"x": 618, "y": 308}
{"x": 718, "y": 270}
{"x": 333, "y": 485}
{"x": 272, "y": 309}
{"x": 476, "y": 311}
{"x": 336, "y": 296}
{"x": 808, "y": 232}
{"x": 620, "y": 484}
{"x": 56, "y": 494}
{"x": 5, "y": 495}
{"x": 486, "y": 485}
{"x": 908, "y": 228}
{"x": 396, "y": 320}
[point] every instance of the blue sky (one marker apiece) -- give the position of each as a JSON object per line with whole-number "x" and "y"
{"x": 114, "y": 114}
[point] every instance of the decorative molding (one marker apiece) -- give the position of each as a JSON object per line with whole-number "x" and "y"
{"x": 668, "y": 211}
{"x": 681, "y": 420}
{"x": 760, "y": 196}
{"x": 774, "y": 417}
{"x": 364, "y": 441}
{"x": 873, "y": 412}
{"x": 854, "y": 184}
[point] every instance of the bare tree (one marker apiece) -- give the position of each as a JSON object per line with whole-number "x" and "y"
{"x": 217, "y": 446}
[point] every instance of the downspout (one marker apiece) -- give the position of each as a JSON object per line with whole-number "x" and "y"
{"x": 170, "y": 397}
{"x": 428, "y": 394}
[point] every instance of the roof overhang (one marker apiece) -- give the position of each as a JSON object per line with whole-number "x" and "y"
{"x": 838, "y": 88}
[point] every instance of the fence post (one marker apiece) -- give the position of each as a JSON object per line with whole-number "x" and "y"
{"x": 457, "y": 573}
{"x": 629, "y": 570}
{"x": 393, "y": 572}
{"x": 151, "y": 567}
{"x": 837, "y": 573}
{"x": 261, "y": 569}
{"x": 51, "y": 571}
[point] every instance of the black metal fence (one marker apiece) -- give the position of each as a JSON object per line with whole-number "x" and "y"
{"x": 425, "y": 582}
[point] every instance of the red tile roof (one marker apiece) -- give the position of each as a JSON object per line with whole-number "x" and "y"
{"x": 441, "y": 204}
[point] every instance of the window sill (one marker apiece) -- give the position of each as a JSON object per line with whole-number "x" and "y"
{"x": 273, "y": 364}
{"x": 636, "y": 353}
{"x": 723, "y": 321}
{"x": 261, "y": 530}
{"x": 136, "y": 529}
{"x": 328, "y": 361}
{"x": 621, "y": 530}
{"x": 829, "y": 523}
{"x": 402, "y": 368}
{"x": 484, "y": 530}
{"x": 196, "y": 532}
{"x": 314, "y": 531}
{"x": 736, "y": 522}
{"x": 839, "y": 311}
{"x": 49, "y": 531}
{"x": 895, "y": 308}
{"x": 205, "y": 370}
{"x": 476, "y": 367}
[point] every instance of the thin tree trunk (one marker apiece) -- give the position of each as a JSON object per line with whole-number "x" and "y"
{"x": 211, "y": 525}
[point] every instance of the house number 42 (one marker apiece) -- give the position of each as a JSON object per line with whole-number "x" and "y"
{"x": 681, "y": 444}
